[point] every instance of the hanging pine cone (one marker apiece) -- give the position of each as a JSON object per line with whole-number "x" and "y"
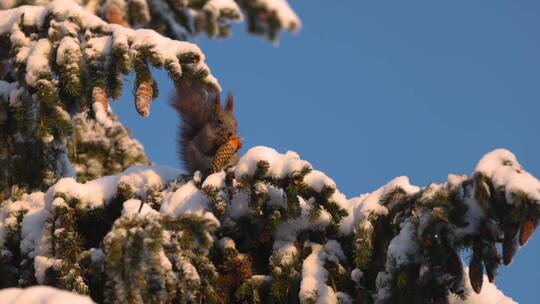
{"x": 527, "y": 228}
{"x": 510, "y": 243}
{"x": 492, "y": 261}
{"x": 476, "y": 273}
{"x": 455, "y": 268}
{"x": 114, "y": 13}
{"x": 225, "y": 152}
{"x": 99, "y": 95}
{"x": 143, "y": 97}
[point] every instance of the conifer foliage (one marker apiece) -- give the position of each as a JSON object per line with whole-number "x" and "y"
{"x": 181, "y": 19}
{"x": 59, "y": 60}
{"x": 271, "y": 230}
{"x": 82, "y": 210}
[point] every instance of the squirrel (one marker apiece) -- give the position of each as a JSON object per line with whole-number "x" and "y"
{"x": 206, "y": 126}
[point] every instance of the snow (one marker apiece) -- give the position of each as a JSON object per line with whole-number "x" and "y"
{"x": 403, "y": 246}
{"x": 314, "y": 276}
{"x": 229, "y": 6}
{"x": 239, "y": 206}
{"x": 286, "y": 232}
{"x": 41, "y": 263}
{"x": 165, "y": 51}
{"x": 99, "y": 191}
{"x": 37, "y": 63}
{"x": 226, "y": 243}
{"x": 33, "y": 203}
{"x": 187, "y": 200}
{"x": 101, "y": 113}
{"x": 356, "y": 275}
{"x": 188, "y": 270}
{"x": 33, "y": 15}
{"x": 285, "y": 13}
{"x": 215, "y": 180}
{"x": 281, "y": 165}
{"x": 6, "y": 88}
{"x": 489, "y": 294}
{"x": 506, "y": 173}
{"x": 361, "y": 207}
{"x": 317, "y": 180}
{"x": 41, "y": 295}
{"x": 133, "y": 207}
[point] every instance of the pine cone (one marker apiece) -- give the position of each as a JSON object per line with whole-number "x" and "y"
{"x": 455, "y": 268}
{"x": 99, "y": 95}
{"x": 492, "y": 262}
{"x": 476, "y": 273}
{"x": 143, "y": 97}
{"x": 114, "y": 14}
{"x": 225, "y": 152}
{"x": 527, "y": 228}
{"x": 510, "y": 245}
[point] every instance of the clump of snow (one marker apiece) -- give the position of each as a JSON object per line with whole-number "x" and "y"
{"x": 99, "y": 191}
{"x": 317, "y": 180}
{"x": 142, "y": 178}
{"x": 489, "y": 294}
{"x": 403, "y": 246}
{"x": 287, "y": 232}
{"x": 33, "y": 203}
{"x": 6, "y": 88}
{"x": 101, "y": 114}
{"x": 281, "y": 165}
{"x": 41, "y": 263}
{"x": 33, "y": 16}
{"x": 187, "y": 200}
{"x": 41, "y": 295}
{"x": 284, "y": 12}
{"x": 227, "y": 6}
{"x": 361, "y": 207}
{"x": 356, "y": 275}
{"x": 164, "y": 51}
{"x": 31, "y": 230}
{"x": 314, "y": 275}
{"x": 136, "y": 207}
{"x": 37, "y": 63}
{"x": 239, "y": 206}
{"x": 506, "y": 173}
{"x": 188, "y": 270}
{"x": 215, "y": 180}
{"x": 226, "y": 243}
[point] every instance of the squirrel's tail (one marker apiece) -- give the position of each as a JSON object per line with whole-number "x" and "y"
{"x": 193, "y": 103}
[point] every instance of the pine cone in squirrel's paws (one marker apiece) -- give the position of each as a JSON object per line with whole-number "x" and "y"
{"x": 225, "y": 152}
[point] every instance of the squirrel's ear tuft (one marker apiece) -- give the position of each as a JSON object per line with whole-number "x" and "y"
{"x": 230, "y": 103}
{"x": 217, "y": 104}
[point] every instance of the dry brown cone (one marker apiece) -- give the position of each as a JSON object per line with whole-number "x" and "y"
{"x": 455, "y": 268}
{"x": 114, "y": 14}
{"x": 225, "y": 152}
{"x": 99, "y": 95}
{"x": 143, "y": 97}
{"x": 527, "y": 228}
{"x": 476, "y": 273}
{"x": 510, "y": 244}
{"x": 492, "y": 262}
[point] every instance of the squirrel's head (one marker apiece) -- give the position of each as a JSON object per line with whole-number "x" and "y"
{"x": 223, "y": 120}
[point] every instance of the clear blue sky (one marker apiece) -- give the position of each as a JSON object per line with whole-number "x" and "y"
{"x": 369, "y": 90}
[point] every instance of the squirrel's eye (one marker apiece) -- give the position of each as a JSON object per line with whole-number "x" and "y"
{"x": 220, "y": 121}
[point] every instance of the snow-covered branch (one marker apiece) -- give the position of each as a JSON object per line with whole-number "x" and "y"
{"x": 59, "y": 60}
{"x": 272, "y": 228}
{"x": 181, "y": 19}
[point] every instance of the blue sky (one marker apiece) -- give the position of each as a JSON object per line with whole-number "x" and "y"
{"x": 370, "y": 90}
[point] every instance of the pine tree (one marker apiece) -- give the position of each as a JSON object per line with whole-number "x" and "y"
{"x": 82, "y": 210}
